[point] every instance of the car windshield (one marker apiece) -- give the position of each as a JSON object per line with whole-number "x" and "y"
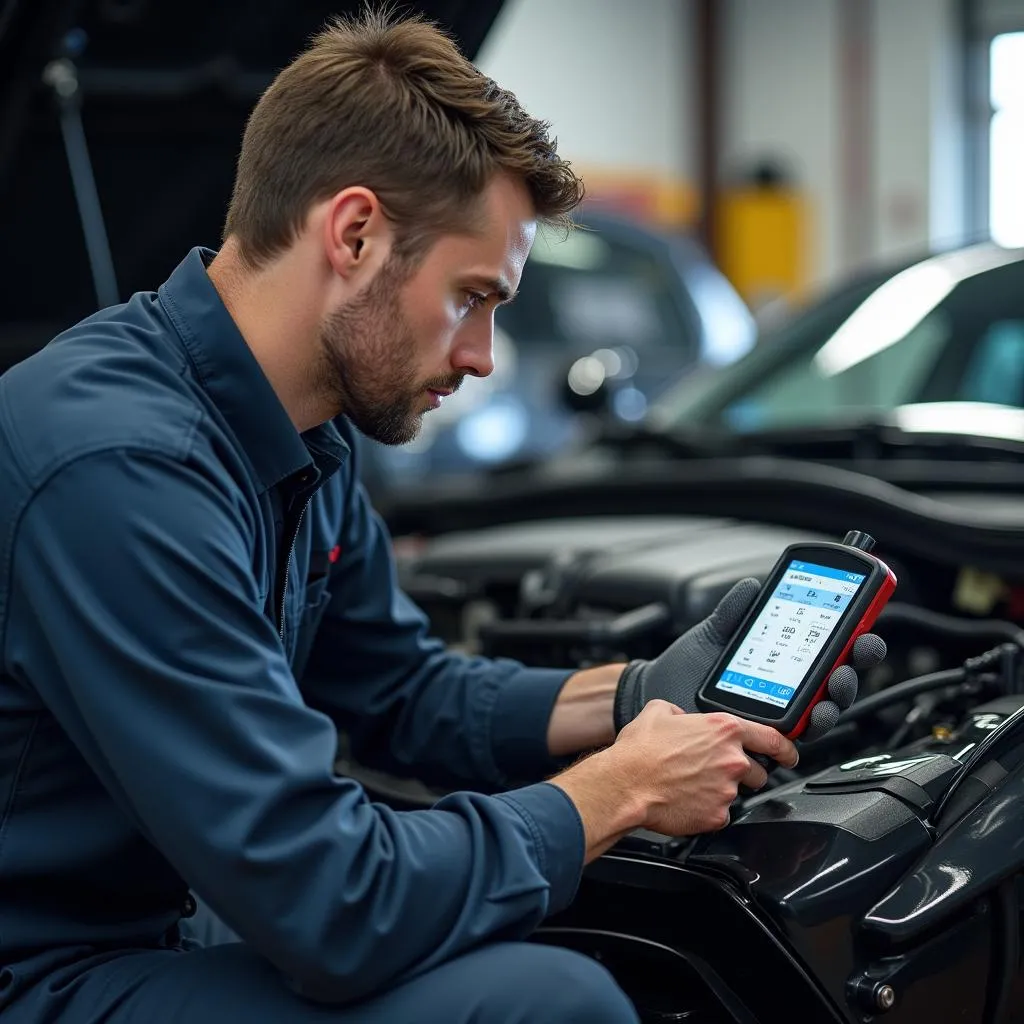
{"x": 945, "y": 329}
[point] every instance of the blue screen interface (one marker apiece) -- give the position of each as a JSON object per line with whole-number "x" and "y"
{"x": 795, "y": 623}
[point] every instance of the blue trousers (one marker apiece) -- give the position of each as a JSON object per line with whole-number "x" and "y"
{"x": 504, "y": 983}
{"x": 225, "y": 982}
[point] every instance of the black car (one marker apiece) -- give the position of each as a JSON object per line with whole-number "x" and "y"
{"x": 886, "y": 876}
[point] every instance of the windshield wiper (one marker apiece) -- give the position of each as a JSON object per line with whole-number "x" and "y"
{"x": 689, "y": 443}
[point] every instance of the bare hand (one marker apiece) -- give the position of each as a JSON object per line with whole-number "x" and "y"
{"x": 689, "y": 767}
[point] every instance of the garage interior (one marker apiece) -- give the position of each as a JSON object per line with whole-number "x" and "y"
{"x": 792, "y": 307}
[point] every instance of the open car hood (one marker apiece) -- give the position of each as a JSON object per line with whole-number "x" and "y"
{"x": 165, "y": 89}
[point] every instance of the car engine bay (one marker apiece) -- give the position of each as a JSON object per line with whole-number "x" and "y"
{"x": 879, "y": 877}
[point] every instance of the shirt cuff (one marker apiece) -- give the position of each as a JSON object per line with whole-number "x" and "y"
{"x": 558, "y": 838}
{"x": 519, "y": 723}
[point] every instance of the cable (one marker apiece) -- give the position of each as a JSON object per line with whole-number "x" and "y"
{"x": 62, "y": 76}
{"x": 999, "y": 629}
{"x": 904, "y": 691}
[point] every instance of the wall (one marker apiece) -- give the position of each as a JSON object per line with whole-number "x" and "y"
{"x": 787, "y": 93}
{"x": 613, "y": 78}
{"x": 779, "y": 86}
{"x": 616, "y": 80}
{"x": 919, "y": 127}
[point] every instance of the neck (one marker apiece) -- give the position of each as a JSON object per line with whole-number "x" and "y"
{"x": 276, "y": 311}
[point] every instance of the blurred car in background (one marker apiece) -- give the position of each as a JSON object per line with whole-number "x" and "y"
{"x": 896, "y": 346}
{"x": 911, "y": 374}
{"x": 926, "y": 353}
{"x": 610, "y": 307}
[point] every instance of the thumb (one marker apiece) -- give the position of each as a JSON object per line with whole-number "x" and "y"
{"x": 729, "y": 612}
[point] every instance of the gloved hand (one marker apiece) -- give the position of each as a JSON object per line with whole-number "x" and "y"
{"x": 677, "y": 673}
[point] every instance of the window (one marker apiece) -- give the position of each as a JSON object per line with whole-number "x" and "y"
{"x": 1006, "y": 139}
{"x": 995, "y": 370}
{"x": 950, "y": 328}
{"x": 803, "y": 392}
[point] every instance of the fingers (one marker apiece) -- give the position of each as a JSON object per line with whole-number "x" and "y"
{"x": 763, "y": 739}
{"x": 842, "y": 686}
{"x": 824, "y": 716}
{"x": 755, "y": 776}
{"x": 730, "y": 610}
{"x": 657, "y": 706}
{"x": 868, "y": 651}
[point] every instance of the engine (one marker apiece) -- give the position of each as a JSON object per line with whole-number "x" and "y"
{"x": 878, "y": 879}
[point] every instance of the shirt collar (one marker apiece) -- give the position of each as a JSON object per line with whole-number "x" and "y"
{"x": 235, "y": 382}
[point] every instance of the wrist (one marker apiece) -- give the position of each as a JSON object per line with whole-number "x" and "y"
{"x": 583, "y": 716}
{"x": 622, "y": 775}
{"x": 604, "y": 788}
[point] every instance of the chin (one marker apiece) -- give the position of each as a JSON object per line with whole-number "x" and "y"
{"x": 396, "y": 441}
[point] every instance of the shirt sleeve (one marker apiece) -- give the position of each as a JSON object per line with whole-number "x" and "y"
{"x": 140, "y": 626}
{"x": 406, "y": 703}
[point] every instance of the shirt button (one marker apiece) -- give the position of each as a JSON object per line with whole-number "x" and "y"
{"x": 188, "y": 907}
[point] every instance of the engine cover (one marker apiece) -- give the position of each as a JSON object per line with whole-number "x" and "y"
{"x": 786, "y": 891}
{"x": 595, "y": 566}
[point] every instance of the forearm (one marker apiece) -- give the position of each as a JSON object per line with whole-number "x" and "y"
{"x": 582, "y": 717}
{"x": 609, "y": 802}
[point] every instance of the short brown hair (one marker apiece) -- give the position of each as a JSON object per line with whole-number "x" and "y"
{"x": 390, "y": 104}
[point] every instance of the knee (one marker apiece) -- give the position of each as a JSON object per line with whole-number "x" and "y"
{"x": 550, "y": 984}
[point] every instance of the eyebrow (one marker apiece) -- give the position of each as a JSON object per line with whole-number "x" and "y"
{"x": 499, "y": 286}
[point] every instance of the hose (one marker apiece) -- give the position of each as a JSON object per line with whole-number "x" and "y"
{"x": 950, "y": 625}
{"x": 904, "y": 691}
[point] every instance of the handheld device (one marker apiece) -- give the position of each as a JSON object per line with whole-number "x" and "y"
{"x": 818, "y": 599}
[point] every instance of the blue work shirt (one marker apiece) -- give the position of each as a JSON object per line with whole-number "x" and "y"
{"x": 194, "y": 599}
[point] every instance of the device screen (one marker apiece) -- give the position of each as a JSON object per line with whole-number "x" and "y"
{"x": 792, "y": 627}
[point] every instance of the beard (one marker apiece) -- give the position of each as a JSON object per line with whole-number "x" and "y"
{"x": 364, "y": 371}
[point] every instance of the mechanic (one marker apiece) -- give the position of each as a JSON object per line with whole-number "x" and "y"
{"x": 196, "y": 597}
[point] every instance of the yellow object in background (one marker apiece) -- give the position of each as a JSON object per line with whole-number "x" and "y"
{"x": 652, "y": 199}
{"x": 761, "y": 241}
{"x": 762, "y": 228}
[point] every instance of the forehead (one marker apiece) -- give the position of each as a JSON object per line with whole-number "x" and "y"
{"x": 501, "y": 238}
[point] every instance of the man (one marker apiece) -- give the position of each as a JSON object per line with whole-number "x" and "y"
{"x": 196, "y": 596}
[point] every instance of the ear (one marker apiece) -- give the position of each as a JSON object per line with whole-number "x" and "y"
{"x": 357, "y": 235}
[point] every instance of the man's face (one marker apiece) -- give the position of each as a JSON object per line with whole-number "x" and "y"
{"x": 393, "y": 352}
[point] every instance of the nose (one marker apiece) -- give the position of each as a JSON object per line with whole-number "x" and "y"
{"x": 474, "y": 349}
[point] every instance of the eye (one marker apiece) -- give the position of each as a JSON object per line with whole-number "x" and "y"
{"x": 473, "y": 301}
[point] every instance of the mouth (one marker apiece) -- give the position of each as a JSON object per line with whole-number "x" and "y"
{"x": 437, "y": 394}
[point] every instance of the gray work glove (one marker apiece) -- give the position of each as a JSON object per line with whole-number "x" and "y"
{"x": 676, "y": 674}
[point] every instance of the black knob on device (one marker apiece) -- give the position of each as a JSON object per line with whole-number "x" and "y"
{"x": 857, "y": 539}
